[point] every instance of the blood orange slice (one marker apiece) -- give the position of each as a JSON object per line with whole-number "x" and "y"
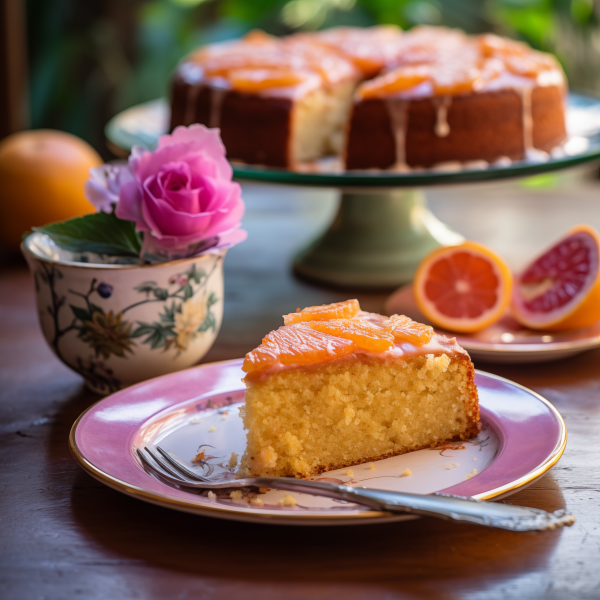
{"x": 463, "y": 288}
{"x": 561, "y": 288}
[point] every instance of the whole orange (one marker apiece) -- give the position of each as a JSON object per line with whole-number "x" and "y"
{"x": 42, "y": 174}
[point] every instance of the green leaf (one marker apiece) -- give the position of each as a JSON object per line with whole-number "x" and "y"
{"x": 146, "y": 287}
{"x": 212, "y": 300}
{"x": 81, "y": 313}
{"x": 100, "y": 232}
{"x": 188, "y": 291}
{"x": 161, "y": 293}
{"x": 96, "y": 308}
{"x": 156, "y": 335}
{"x": 143, "y": 329}
{"x": 195, "y": 275}
{"x": 208, "y": 323}
{"x": 168, "y": 314}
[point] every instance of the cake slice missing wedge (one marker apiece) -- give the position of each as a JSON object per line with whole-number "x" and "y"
{"x": 337, "y": 387}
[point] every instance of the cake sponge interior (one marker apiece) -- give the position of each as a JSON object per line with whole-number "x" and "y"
{"x": 302, "y": 422}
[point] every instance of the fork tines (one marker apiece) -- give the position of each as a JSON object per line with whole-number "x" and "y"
{"x": 168, "y": 467}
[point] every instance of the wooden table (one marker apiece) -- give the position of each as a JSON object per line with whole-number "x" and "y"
{"x": 65, "y": 535}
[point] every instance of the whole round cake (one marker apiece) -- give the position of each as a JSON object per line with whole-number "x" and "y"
{"x": 379, "y": 97}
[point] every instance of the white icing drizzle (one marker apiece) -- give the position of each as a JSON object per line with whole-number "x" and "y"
{"x": 441, "y": 104}
{"x": 191, "y": 74}
{"x": 216, "y": 101}
{"x": 398, "y": 111}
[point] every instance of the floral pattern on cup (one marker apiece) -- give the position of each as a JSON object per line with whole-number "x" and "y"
{"x": 117, "y": 325}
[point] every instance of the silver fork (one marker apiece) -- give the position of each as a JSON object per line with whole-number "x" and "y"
{"x": 441, "y": 506}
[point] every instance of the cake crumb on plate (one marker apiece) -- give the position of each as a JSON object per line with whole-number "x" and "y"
{"x": 406, "y": 473}
{"x": 233, "y": 460}
{"x": 471, "y": 474}
{"x": 288, "y": 501}
{"x": 371, "y": 466}
{"x": 236, "y": 495}
{"x": 350, "y": 473}
{"x": 211, "y": 495}
{"x": 212, "y": 428}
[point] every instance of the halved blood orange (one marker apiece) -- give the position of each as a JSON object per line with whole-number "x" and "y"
{"x": 296, "y": 344}
{"x": 561, "y": 288}
{"x": 337, "y": 310}
{"x": 463, "y": 288}
{"x": 364, "y": 334}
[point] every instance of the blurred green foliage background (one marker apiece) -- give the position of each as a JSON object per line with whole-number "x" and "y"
{"x": 89, "y": 60}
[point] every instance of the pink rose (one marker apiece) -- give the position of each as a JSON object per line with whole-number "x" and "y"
{"x": 180, "y": 196}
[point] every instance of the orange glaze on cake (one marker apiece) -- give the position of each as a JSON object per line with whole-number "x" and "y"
{"x": 453, "y": 63}
{"x": 317, "y": 341}
{"x": 260, "y": 62}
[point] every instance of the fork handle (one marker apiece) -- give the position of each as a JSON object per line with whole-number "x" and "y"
{"x": 441, "y": 506}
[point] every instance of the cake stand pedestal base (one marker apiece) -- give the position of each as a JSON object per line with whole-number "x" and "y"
{"x": 376, "y": 240}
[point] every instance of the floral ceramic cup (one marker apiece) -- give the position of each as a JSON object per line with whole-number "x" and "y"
{"x": 118, "y": 324}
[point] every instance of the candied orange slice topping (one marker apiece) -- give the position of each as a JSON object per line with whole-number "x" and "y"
{"x": 455, "y": 78}
{"x": 405, "y": 329}
{"x": 258, "y": 36}
{"x": 296, "y": 345}
{"x": 493, "y": 45}
{"x": 253, "y": 80}
{"x": 337, "y": 310}
{"x": 395, "y": 81}
{"x": 531, "y": 65}
{"x": 364, "y": 334}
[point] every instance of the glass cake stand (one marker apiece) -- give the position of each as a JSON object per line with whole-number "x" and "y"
{"x": 383, "y": 227}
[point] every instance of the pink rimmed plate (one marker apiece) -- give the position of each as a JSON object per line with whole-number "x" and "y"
{"x": 506, "y": 341}
{"x": 522, "y": 436}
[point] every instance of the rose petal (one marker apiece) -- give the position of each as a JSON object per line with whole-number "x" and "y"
{"x": 227, "y": 217}
{"x": 200, "y": 136}
{"x": 129, "y": 207}
{"x": 204, "y": 143}
{"x": 172, "y": 222}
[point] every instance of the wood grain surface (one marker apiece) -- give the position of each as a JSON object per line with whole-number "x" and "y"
{"x": 65, "y": 535}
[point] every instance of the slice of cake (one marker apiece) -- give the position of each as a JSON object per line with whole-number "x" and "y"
{"x": 337, "y": 387}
